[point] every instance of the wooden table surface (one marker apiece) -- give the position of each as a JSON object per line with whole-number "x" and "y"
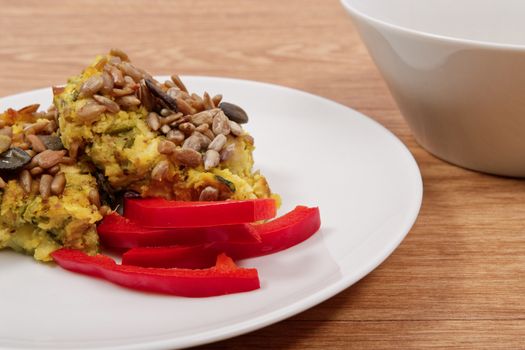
{"x": 458, "y": 279}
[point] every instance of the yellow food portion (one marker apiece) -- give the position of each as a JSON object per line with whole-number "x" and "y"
{"x": 125, "y": 149}
{"x": 37, "y": 226}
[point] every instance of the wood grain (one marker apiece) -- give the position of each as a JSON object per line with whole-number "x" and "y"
{"x": 457, "y": 281}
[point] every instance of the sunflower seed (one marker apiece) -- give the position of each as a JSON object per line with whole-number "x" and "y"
{"x": 166, "y": 147}
{"x": 122, "y": 92}
{"x": 171, "y": 118}
{"x": 220, "y": 124}
{"x": 116, "y": 74}
{"x": 128, "y": 101}
{"x": 193, "y": 142}
{"x": 119, "y": 53}
{"x": 90, "y": 112}
{"x": 165, "y": 129}
{"x": 29, "y": 109}
{"x": 50, "y": 127}
{"x": 204, "y": 117}
{"x": 153, "y": 121}
{"x": 175, "y": 136}
{"x": 49, "y": 158}
{"x": 108, "y": 84}
{"x": 130, "y": 70}
{"x": 54, "y": 170}
{"x": 176, "y": 79}
{"x": 184, "y": 107}
{"x": 208, "y": 102}
{"x": 67, "y": 161}
{"x": 26, "y": 181}
{"x": 169, "y": 84}
{"x": 45, "y": 185}
{"x": 227, "y": 152}
{"x": 36, "y": 171}
{"x": 218, "y": 143}
{"x": 196, "y": 102}
{"x": 111, "y": 105}
{"x": 211, "y": 159}
{"x": 235, "y": 128}
{"x": 160, "y": 170}
{"x": 187, "y": 128}
{"x": 216, "y": 99}
{"x": 209, "y": 194}
{"x": 188, "y": 157}
{"x": 37, "y": 127}
{"x": 58, "y": 184}
{"x": 91, "y": 86}
{"x": 5, "y": 143}
{"x": 36, "y": 143}
{"x": 94, "y": 198}
{"x": 7, "y": 130}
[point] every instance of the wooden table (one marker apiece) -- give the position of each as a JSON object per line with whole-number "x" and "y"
{"x": 457, "y": 281}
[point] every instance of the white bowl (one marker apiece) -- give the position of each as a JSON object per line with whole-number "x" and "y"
{"x": 456, "y": 69}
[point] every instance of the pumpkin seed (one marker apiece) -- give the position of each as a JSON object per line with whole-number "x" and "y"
{"x": 234, "y": 112}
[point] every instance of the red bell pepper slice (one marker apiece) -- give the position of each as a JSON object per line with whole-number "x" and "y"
{"x": 224, "y": 278}
{"x": 161, "y": 213}
{"x": 116, "y": 231}
{"x": 279, "y": 234}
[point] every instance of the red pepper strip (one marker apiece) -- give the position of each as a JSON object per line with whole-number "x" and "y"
{"x": 161, "y": 213}
{"x": 119, "y": 232}
{"x": 276, "y": 235}
{"x": 224, "y": 278}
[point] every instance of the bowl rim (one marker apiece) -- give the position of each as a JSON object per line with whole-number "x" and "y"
{"x": 436, "y": 37}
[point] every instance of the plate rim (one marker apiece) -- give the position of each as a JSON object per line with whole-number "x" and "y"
{"x": 289, "y": 310}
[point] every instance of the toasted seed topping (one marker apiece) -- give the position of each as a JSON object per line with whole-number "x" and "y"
{"x": 145, "y": 96}
{"x": 37, "y": 127}
{"x": 36, "y": 171}
{"x": 166, "y": 147}
{"x": 7, "y": 130}
{"x": 209, "y": 194}
{"x": 208, "y": 102}
{"x": 2, "y": 183}
{"x": 165, "y": 129}
{"x": 91, "y": 86}
{"x": 58, "y": 184}
{"x": 29, "y": 109}
{"x": 110, "y": 105}
{"x": 116, "y": 74}
{"x": 220, "y": 124}
{"x": 218, "y": 143}
{"x": 153, "y": 121}
{"x": 49, "y": 158}
{"x": 67, "y": 161}
{"x": 234, "y": 112}
{"x": 5, "y": 142}
{"x": 216, "y": 99}
{"x": 193, "y": 142}
{"x": 188, "y": 157}
{"x": 45, "y": 185}
{"x": 122, "y": 92}
{"x": 36, "y": 143}
{"x": 211, "y": 159}
{"x": 26, "y": 181}
{"x": 196, "y": 102}
{"x": 171, "y": 118}
{"x": 160, "y": 170}
{"x": 176, "y": 136}
{"x": 130, "y": 70}
{"x": 227, "y": 152}
{"x": 128, "y": 101}
{"x": 204, "y": 117}
{"x": 235, "y": 128}
{"x": 108, "y": 83}
{"x": 176, "y": 80}
{"x": 119, "y": 53}
{"x": 184, "y": 107}
{"x": 90, "y": 112}
{"x": 187, "y": 128}
{"x": 54, "y": 170}
{"x": 94, "y": 197}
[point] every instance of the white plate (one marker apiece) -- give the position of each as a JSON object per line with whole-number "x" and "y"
{"x": 314, "y": 152}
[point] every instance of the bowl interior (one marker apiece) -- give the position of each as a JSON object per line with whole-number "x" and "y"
{"x": 495, "y": 21}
